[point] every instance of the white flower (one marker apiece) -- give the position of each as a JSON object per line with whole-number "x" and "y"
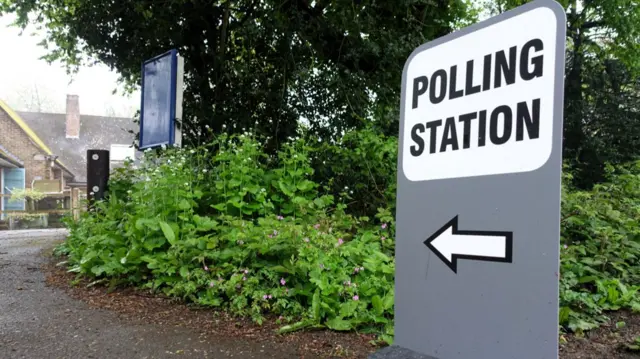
{"x": 224, "y": 126}
{"x": 204, "y": 170}
{"x": 192, "y": 151}
{"x": 186, "y": 184}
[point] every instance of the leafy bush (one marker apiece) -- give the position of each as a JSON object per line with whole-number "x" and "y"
{"x": 600, "y": 256}
{"x": 226, "y": 225}
{"x": 241, "y": 231}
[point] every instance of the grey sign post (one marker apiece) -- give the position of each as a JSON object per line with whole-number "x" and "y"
{"x": 478, "y": 205}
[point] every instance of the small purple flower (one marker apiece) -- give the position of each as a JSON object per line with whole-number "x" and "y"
{"x": 275, "y": 233}
{"x": 316, "y": 226}
{"x": 246, "y": 271}
{"x": 348, "y": 283}
{"x": 306, "y": 240}
{"x": 384, "y": 226}
{"x": 357, "y": 269}
{"x": 282, "y": 281}
{"x": 270, "y": 296}
{"x": 265, "y": 297}
{"x": 206, "y": 268}
{"x": 355, "y": 297}
{"x": 270, "y": 236}
{"x": 383, "y": 238}
{"x": 566, "y": 246}
{"x": 244, "y": 278}
{"x": 280, "y": 218}
{"x": 340, "y": 242}
{"x": 211, "y": 284}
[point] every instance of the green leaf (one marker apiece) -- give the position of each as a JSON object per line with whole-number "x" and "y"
{"x": 184, "y": 271}
{"x": 376, "y": 302}
{"x": 387, "y": 303}
{"x": 339, "y": 324}
{"x": 184, "y": 204}
{"x": 348, "y": 309}
{"x": 315, "y": 306}
{"x": 168, "y": 232}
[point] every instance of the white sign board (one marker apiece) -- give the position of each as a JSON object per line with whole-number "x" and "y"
{"x": 490, "y": 112}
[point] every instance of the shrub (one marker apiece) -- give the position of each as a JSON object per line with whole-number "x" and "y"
{"x": 238, "y": 230}
{"x": 600, "y": 253}
{"x": 226, "y": 225}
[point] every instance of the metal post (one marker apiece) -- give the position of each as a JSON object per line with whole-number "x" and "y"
{"x": 97, "y": 175}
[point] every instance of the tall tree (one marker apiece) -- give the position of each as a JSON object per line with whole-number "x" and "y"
{"x": 253, "y": 64}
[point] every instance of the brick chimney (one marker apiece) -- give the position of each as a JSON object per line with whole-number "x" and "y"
{"x": 73, "y": 117}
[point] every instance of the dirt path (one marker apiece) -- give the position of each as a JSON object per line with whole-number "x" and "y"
{"x": 37, "y": 321}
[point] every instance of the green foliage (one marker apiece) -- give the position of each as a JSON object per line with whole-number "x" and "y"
{"x": 21, "y": 194}
{"x": 226, "y": 225}
{"x": 601, "y": 249}
{"x": 224, "y": 229}
{"x": 361, "y": 168}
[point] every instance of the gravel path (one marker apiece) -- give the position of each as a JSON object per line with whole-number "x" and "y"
{"x": 37, "y": 321}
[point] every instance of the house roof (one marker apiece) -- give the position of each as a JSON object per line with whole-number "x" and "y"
{"x": 7, "y": 159}
{"x": 29, "y": 132}
{"x": 96, "y": 132}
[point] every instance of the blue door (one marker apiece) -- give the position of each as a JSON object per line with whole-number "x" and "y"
{"x": 14, "y": 178}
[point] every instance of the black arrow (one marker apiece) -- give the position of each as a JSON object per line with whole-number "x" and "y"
{"x": 451, "y": 244}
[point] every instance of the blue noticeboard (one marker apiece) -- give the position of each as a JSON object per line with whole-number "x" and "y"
{"x": 158, "y": 107}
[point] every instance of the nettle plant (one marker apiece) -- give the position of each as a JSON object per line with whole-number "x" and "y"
{"x": 226, "y": 225}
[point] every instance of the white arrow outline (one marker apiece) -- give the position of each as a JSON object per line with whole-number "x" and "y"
{"x": 451, "y": 244}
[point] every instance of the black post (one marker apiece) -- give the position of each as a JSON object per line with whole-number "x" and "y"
{"x": 97, "y": 175}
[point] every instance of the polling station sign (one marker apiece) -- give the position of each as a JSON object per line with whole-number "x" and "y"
{"x": 478, "y": 199}
{"x": 480, "y": 105}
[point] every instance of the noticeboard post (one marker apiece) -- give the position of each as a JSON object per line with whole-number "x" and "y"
{"x": 161, "y": 104}
{"x": 478, "y": 201}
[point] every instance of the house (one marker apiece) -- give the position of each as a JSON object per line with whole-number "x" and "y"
{"x": 47, "y": 151}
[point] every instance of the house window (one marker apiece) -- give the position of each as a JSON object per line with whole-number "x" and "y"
{"x": 119, "y": 153}
{"x": 12, "y": 179}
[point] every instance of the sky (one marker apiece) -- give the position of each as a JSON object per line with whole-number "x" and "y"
{"x": 23, "y": 74}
